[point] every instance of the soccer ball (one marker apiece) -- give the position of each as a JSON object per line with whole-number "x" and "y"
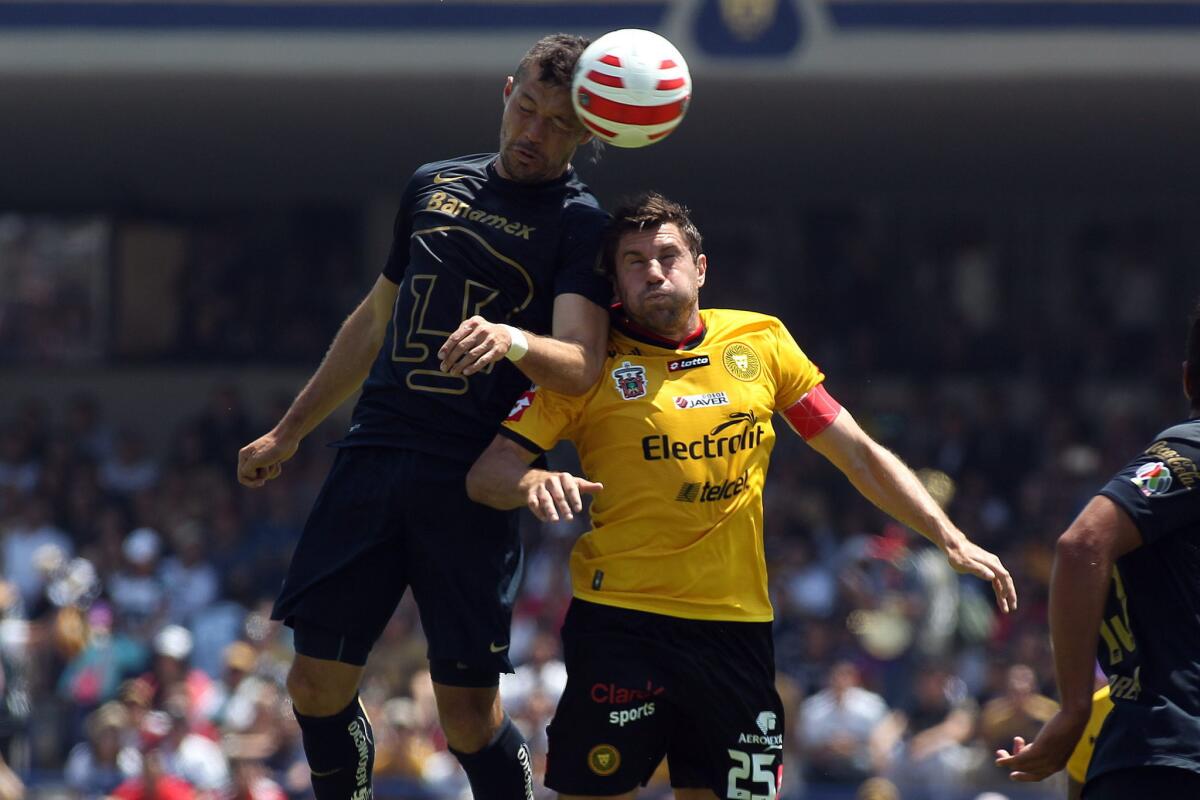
{"x": 631, "y": 87}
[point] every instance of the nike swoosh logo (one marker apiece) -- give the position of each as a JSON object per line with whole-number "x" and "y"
{"x": 316, "y": 774}
{"x": 439, "y": 179}
{"x": 497, "y": 648}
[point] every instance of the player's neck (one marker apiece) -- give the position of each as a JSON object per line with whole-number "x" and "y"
{"x": 670, "y": 334}
{"x": 498, "y": 165}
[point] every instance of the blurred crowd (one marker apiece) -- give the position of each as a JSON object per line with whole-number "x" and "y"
{"x": 137, "y": 659}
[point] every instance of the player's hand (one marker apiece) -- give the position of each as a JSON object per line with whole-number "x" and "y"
{"x": 1046, "y": 754}
{"x": 968, "y": 558}
{"x": 262, "y": 460}
{"x": 475, "y": 345}
{"x": 559, "y": 495}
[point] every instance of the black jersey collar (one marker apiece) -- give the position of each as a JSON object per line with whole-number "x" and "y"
{"x": 520, "y": 186}
{"x": 646, "y": 336}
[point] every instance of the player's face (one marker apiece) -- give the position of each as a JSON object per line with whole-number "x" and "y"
{"x": 658, "y": 280}
{"x": 538, "y": 132}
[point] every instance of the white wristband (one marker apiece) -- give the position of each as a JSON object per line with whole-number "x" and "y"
{"x": 519, "y": 346}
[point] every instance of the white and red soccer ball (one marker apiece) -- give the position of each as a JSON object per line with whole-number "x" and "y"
{"x": 631, "y": 87}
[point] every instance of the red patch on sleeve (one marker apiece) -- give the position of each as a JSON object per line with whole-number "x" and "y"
{"x": 523, "y": 402}
{"x": 813, "y": 413}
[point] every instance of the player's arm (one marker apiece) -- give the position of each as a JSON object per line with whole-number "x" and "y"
{"x": 568, "y": 361}
{"x": 502, "y": 478}
{"x": 340, "y": 374}
{"x": 1083, "y": 565}
{"x": 881, "y": 477}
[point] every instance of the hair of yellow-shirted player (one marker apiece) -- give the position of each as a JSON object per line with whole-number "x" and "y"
{"x": 1192, "y": 370}
{"x": 646, "y": 210}
{"x": 555, "y": 57}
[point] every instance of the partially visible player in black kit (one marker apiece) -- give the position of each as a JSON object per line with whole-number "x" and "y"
{"x": 1127, "y": 582}
{"x": 489, "y": 252}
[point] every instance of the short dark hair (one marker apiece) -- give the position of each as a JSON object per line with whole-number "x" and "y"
{"x": 1193, "y": 357}
{"x": 646, "y": 210}
{"x": 555, "y": 57}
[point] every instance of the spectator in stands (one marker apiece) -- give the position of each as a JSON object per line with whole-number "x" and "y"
{"x": 923, "y": 748}
{"x": 19, "y": 468}
{"x": 107, "y": 658}
{"x": 137, "y": 592}
{"x": 172, "y": 676}
{"x": 186, "y": 754}
{"x": 240, "y": 690}
{"x": 100, "y": 764}
{"x": 836, "y": 727}
{"x": 130, "y": 469}
{"x": 250, "y": 780}
{"x": 85, "y": 427}
{"x": 191, "y": 581}
{"x": 32, "y": 530}
{"x": 1020, "y": 711}
{"x": 154, "y": 783}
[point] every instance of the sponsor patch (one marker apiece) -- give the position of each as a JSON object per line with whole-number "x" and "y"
{"x": 766, "y": 721}
{"x": 1182, "y": 467}
{"x": 604, "y": 759}
{"x": 702, "y": 400}
{"x": 691, "y": 362}
{"x": 741, "y": 361}
{"x": 614, "y": 695}
{"x": 630, "y": 380}
{"x": 627, "y": 715}
{"x": 1152, "y": 479}
{"x": 709, "y": 492}
{"x": 523, "y": 403}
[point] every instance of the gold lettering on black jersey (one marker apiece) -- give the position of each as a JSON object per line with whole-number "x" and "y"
{"x": 1183, "y": 467}
{"x": 444, "y": 203}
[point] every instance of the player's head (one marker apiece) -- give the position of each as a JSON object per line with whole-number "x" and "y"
{"x": 1191, "y": 366}
{"x": 652, "y": 253}
{"x": 539, "y": 130}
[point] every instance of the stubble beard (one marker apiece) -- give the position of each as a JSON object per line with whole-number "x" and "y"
{"x": 666, "y": 321}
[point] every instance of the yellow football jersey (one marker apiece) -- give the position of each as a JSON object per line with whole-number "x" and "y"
{"x": 680, "y": 437}
{"x": 1077, "y": 766}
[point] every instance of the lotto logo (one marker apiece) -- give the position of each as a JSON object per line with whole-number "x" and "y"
{"x": 687, "y": 363}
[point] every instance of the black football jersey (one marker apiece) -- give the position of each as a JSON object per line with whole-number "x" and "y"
{"x": 1150, "y": 634}
{"x": 467, "y": 242}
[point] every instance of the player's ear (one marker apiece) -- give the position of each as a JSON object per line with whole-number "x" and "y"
{"x": 701, "y": 269}
{"x": 508, "y": 89}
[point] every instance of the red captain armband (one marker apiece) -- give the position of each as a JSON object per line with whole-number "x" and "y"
{"x": 812, "y": 413}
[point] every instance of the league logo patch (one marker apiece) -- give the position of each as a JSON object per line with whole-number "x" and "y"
{"x": 630, "y": 380}
{"x": 741, "y": 361}
{"x": 691, "y": 362}
{"x": 1152, "y": 479}
{"x": 603, "y": 759}
{"x": 523, "y": 403}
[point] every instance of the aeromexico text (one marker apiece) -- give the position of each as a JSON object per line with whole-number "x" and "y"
{"x": 663, "y": 447}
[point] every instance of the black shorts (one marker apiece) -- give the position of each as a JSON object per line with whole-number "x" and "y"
{"x": 642, "y": 686}
{"x": 387, "y": 519}
{"x": 1152, "y": 783}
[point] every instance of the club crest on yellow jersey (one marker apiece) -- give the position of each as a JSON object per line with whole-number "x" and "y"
{"x": 630, "y": 379}
{"x": 741, "y": 361}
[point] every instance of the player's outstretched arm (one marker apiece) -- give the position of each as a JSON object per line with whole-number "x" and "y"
{"x": 881, "y": 477}
{"x": 501, "y": 478}
{"x": 567, "y": 362}
{"x": 1083, "y": 563}
{"x": 341, "y": 372}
